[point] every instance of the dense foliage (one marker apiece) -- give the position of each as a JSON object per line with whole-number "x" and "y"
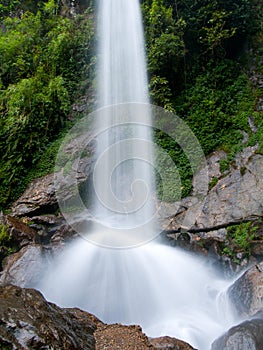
{"x": 44, "y": 56}
{"x": 199, "y": 57}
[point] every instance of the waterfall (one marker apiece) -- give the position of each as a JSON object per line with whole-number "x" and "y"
{"x": 163, "y": 289}
{"x": 122, "y": 69}
{"x": 123, "y": 175}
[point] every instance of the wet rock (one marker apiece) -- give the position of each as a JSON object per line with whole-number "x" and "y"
{"x": 247, "y": 292}
{"x": 116, "y": 336}
{"x": 245, "y": 336}
{"x": 28, "y": 321}
{"x": 168, "y": 343}
{"x": 25, "y": 267}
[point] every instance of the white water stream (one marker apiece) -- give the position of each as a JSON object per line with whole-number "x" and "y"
{"x": 163, "y": 289}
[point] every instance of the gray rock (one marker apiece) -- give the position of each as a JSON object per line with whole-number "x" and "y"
{"x": 247, "y": 292}
{"x": 245, "y": 336}
{"x": 237, "y": 195}
{"x": 25, "y": 267}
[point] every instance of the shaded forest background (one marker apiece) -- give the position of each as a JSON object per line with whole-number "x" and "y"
{"x": 203, "y": 60}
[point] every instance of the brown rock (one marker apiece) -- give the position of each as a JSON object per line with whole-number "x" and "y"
{"x": 39, "y": 197}
{"x": 118, "y": 337}
{"x": 168, "y": 343}
{"x": 21, "y": 233}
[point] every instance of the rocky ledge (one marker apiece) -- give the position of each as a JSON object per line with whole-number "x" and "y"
{"x": 28, "y": 321}
{"x": 199, "y": 222}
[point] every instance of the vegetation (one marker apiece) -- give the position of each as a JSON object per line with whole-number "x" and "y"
{"x": 7, "y": 245}
{"x": 44, "y": 56}
{"x": 238, "y": 241}
{"x": 199, "y": 68}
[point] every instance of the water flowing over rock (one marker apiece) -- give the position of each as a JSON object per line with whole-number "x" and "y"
{"x": 158, "y": 286}
{"x": 247, "y": 292}
{"x": 245, "y": 336}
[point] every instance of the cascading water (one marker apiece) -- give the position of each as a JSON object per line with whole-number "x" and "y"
{"x": 165, "y": 290}
{"x": 121, "y": 200}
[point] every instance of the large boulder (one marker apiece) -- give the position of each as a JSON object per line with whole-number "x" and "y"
{"x": 245, "y": 336}
{"x": 247, "y": 292}
{"x": 39, "y": 197}
{"x": 28, "y": 321}
{"x": 238, "y": 194}
{"x": 25, "y": 267}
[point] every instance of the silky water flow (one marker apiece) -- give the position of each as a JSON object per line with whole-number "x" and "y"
{"x": 133, "y": 280}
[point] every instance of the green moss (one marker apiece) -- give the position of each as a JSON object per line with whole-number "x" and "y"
{"x": 4, "y": 235}
{"x": 6, "y": 242}
{"x": 238, "y": 240}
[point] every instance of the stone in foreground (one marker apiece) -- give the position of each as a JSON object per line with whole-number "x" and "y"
{"x": 28, "y": 321}
{"x": 246, "y": 336}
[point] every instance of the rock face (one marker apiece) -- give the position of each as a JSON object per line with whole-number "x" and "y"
{"x": 25, "y": 267}
{"x": 39, "y": 197}
{"x": 246, "y": 336}
{"x": 247, "y": 292}
{"x": 238, "y": 194}
{"x": 27, "y": 321}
